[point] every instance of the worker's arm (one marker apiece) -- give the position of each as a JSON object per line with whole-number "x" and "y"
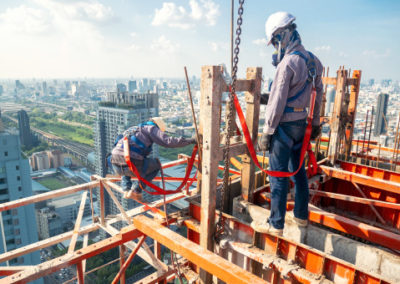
{"x": 320, "y": 90}
{"x": 277, "y": 98}
{"x": 163, "y": 139}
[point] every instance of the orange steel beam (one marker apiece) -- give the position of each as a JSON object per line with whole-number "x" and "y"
{"x": 45, "y": 196}
{"x": 10, "y": 270}
{"x": 126, "y": 234}
{"x": 356, "y": 199}
{"x": 362, "y": 179}
{"x": 315, "y": 261}
{"x": 205, "y": 259}
{"x": 355, "y": 228}
{"x": 128, "y": 261}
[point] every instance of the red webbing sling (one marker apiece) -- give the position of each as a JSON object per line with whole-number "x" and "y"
{"x": 306, "y": 146}
{"x": 159, "y": 191}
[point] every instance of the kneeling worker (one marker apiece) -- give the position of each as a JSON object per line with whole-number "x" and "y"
{"x": 141, "y": 139}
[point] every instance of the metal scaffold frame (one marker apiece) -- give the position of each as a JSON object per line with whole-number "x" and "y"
{"x": 241, "y": 255}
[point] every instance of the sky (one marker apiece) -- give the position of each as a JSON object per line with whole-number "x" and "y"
{"x": 133, "y": 38}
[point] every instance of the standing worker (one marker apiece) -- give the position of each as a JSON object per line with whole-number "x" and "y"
{"x": 141, "y": 139}
{"x": 285, "y": 119}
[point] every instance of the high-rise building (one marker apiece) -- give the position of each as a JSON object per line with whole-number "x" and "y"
{"x": 380, "y": 117}
{"x": 330, "y": 100}
{"x": 19, "y": 85}
{"x": 44, "y": 88}
{"x": 132, "y": 86}
{"x": 24, "y": 129}
{"x": 121, "y": 88}
{"x": 1, "y": 90}
{"x": 18, "y": 225}
{"x": 121, "y": 111}
{"x": 40, "y": 161}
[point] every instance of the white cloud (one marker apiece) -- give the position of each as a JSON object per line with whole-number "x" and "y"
{"x": 172, "y": 15}
{"x": 162, "y": 45}
{"x": 371, "y": 53}
{"x": 326, "y": 48}
{"x": 25, "y": 20}
{"x": 343, "y": 54}
{"x": 260, "y": 41}
{"x": 217, "y": 46}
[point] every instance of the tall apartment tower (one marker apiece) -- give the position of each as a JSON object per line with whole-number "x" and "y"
{"x": 119, "y": 112}
{"x": 18, "y": 226}
{"x": 132, "y": 86}
{"x": 24, "y": 129}
{"x": 380, "y": 117}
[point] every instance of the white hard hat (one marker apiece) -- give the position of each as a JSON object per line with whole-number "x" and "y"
{"x": 160, "y": 123}
{"x": 276, "y": 21}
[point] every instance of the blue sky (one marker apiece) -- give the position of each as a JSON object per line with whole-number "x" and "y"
{"x": 124, "y": 38}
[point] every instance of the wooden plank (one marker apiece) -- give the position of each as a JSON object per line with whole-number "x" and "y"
{"x": 211, "y": 90}
{"x": 78, "y": 223}
{"x": 329, "y": 80}
{"x": 10, "y": 270}
{"x": 45, "y": 243}
{"x": 126, "y": 234}
{"x": 234, "y": 150}
{"x": 338, "y": 115}
{"x": 122, "y": 251}
{"x": 252, "y": 117}
{"x": 205, "y": 259}
{"x": 102, "y": 204}
{"x": 48, "y": 195}
{"x": 144, "y": 252}
{"x": 85, "y": 243}
{"x": 121, "y": 209}
{"x": 128, "y": 261}
{"x": 352, "y": 110}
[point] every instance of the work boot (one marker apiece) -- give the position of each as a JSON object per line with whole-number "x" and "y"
{"x": 299, "y": 222}
{"x": 266, "y": 228}
{"x": 135, "y": 193}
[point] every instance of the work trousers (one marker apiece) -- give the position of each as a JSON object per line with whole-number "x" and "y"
{"x": 148, "y": 169}
{"x": 284, "y": 156}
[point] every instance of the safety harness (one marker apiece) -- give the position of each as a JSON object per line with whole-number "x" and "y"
{"x": 311, "y": 74}
{"x": 305, "y": 145}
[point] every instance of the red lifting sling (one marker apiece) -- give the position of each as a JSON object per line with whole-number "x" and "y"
{"x": 306, "y": 146}
{"x": 159, "y": 191}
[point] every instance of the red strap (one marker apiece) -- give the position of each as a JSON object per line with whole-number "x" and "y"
{"x": 306, "y": 141}
{"x": 158, "y": 190}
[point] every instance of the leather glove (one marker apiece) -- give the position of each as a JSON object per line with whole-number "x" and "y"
{"x": 315, "y": 131}
{"x": 264, "y": 142}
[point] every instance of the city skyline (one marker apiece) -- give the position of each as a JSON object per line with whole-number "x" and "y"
{"x": 102, "y": 39}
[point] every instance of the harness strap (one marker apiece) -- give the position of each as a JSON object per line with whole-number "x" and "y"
{"x": 306, "y": 146}
{"x": 159, "y": 191}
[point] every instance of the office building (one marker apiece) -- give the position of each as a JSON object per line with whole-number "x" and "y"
{"x": 121, "y": 88}
{"x": 40, "y": 161}
{"x": 44, "y": 88}
{"x": 380, "y": 117}
{"x": 1, "y": 90}
{"x": 49, "y": 223}
{"x": 121, "y": 111}
{"x": 18, "y": 224}
{"x": 132, "y": 86}
{"x": 330, "y": 100}
{"x": 24, "y": 129}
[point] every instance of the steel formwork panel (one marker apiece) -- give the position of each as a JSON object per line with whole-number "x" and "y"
{"x": 308, "y": 258}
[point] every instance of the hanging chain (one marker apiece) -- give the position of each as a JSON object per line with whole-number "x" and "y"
{"x": 220, "y": 226}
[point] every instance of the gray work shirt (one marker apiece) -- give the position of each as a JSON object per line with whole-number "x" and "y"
{"x": 290, "y": 77}
{"x": 147, "y": 134}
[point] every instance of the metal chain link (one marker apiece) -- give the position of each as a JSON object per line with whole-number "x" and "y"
{"x": 220, "y": 226}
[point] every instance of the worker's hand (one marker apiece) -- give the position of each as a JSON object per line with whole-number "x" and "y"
{"x": 264, "y": 142}
{"x": 315, "y": 132}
